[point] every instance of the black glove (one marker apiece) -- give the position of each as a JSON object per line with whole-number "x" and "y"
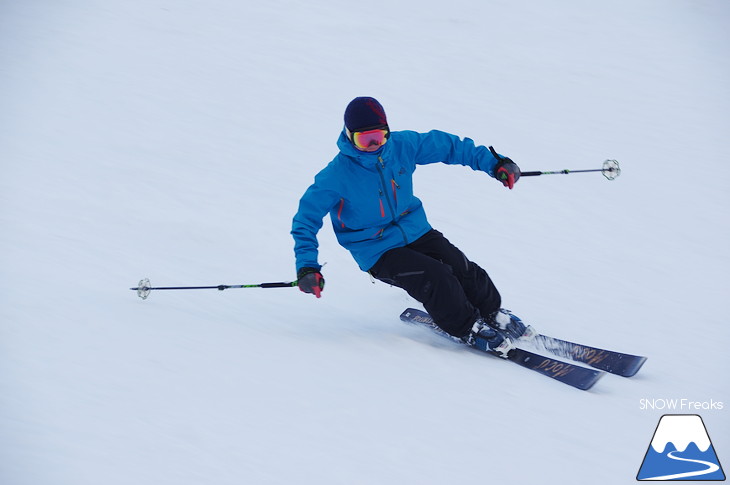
{"x": 310, "y": 280}
{"x": 506, "y": 171}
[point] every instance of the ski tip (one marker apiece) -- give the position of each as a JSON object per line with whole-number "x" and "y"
{"x": 416, "y": 316}
{"x": 631, "y": 371}
{"x": 406, "y": 313}
{"x": 587, "y": 384}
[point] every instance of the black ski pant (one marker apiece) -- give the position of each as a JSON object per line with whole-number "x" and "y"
{"x": 452, "y": 289}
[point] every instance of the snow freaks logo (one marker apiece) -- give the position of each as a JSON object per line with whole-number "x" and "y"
{"x": 681, "y": 450}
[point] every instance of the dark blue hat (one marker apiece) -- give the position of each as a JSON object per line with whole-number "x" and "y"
{"x": 364, "y": 112}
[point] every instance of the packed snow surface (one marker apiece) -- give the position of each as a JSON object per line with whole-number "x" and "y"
{"x": 173, "y": 139}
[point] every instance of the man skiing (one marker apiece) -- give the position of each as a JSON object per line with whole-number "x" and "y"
{"x": 367, "y": 190}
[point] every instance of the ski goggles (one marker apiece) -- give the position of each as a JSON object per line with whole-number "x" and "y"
{"x": 369, "y": 140}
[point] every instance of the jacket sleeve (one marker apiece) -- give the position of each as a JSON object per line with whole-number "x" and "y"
{"x": 438, "y": 146}
{"x": 316, "y": 202}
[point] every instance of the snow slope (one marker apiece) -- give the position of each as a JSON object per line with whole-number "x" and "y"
{"x": 173, "y": 140}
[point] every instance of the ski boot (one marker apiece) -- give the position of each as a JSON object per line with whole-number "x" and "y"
{"x": 511, "y": 325}
{"x": 484, "y": 337}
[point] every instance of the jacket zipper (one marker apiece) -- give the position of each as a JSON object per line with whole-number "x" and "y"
{"x": 380, "y": 168}
{"x": 339, "y": 212}
{"x": 395, "y": 187}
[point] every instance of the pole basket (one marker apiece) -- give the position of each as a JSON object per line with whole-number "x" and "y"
{"x": 143, "y": 288}
{"x": 611, "y": 169}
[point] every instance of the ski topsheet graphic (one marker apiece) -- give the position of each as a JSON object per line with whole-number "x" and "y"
{"x": 681, "y": 450}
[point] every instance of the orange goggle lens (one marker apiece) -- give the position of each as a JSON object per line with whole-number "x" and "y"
{"x": 369, "y": 140}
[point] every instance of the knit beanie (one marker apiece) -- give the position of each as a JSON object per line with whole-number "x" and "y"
{"x": 364, "y": 112}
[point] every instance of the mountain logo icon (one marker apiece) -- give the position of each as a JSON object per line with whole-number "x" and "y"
{"x": 681, "y": 450}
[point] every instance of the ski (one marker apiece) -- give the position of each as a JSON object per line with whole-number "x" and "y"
{"x": 577, "y": 376}
{"x": 619, "y": 363}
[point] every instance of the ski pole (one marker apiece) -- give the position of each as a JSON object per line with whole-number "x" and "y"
{"x": 610, "y": 170}
{"x": 143, "y": 288}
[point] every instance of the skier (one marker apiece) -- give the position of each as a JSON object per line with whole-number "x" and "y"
{"x": 367, "y": 190}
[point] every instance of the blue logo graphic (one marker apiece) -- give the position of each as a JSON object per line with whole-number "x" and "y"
{"x": 681, "y": 450}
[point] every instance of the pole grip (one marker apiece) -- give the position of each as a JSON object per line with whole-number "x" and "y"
{"x": 278, "y": 285}
{"x": 530, "y": 174}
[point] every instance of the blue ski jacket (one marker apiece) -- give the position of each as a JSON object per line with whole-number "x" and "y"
{"x": 369, "y": 195}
